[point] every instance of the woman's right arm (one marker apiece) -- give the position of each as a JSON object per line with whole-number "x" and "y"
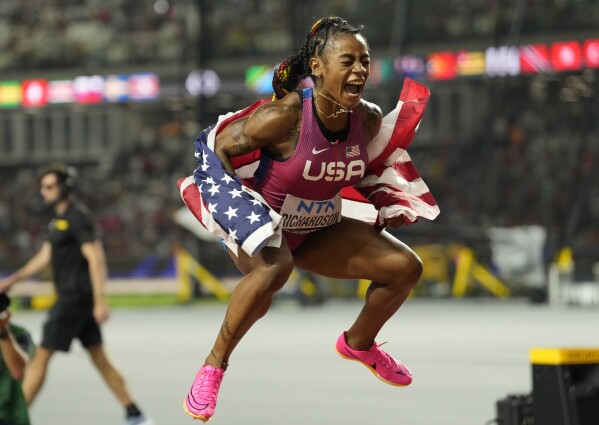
{"x": 271, "y": 126}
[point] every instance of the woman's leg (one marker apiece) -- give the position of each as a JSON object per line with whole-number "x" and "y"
{"x": 265, "y": 274}
{"x": 353, "y": 249}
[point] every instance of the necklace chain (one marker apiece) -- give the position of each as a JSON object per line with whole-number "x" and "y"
{"x": 342, "y": 109}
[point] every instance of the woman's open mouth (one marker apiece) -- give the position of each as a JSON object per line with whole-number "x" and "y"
{"x": 353, "y": 88}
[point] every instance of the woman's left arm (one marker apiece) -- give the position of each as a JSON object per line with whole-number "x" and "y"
{"x": 372, "y": 118}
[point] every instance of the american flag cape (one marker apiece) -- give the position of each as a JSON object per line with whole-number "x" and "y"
{"x": 227, "y": 207}
{"x": 392, "y": 186}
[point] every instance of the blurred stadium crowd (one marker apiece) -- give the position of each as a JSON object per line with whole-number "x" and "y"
{"x": 44, "y": 34}
{"x": 132, "y": 194}
{"x": 535, "y": 163}
{"x": 532, "y": 157}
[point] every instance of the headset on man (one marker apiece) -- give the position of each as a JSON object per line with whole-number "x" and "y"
{"x": 66, "y": 175}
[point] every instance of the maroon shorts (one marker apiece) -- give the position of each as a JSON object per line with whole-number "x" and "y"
{"x": 295, "y": 240}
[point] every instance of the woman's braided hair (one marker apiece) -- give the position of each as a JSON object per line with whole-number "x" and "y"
{"x": 293, "y": 69}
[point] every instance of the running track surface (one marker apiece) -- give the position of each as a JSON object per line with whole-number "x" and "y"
{"x": 464, "y": 354}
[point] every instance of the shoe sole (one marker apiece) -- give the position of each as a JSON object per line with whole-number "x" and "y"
{"x": 193, "y": 415}
{"x": 373, "y": 371}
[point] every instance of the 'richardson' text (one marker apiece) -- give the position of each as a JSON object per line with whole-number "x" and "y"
{"x": 297, "y": 222}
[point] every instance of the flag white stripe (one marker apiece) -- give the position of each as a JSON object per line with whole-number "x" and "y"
{"x": 261, "y": 237}
{"x": 400, "y": 156}
{"x": 412, "y": 212}
{"x": 359, "y": 210}
{"x": 186, "y": 183}
{"x": 391, "y": 178}
{"x": 247, "y": 171}
{"x": 378, "y": 144}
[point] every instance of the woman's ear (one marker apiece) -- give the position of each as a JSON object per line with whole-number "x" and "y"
{"x": 315, "y": 67}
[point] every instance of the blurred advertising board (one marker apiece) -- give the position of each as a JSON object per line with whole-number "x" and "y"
{"x": 10, "y": 94}
{"x": 83, "y": 89}
{"x": 502, "y": 61}
{"x": 88, "y": 89}
{"x": 116, "y": 88}
{"x": 145, "y": 86}
{"x": 534, "y": 58}
{"x": 61, "y": 91}
{"x": 590, "y": 50}
{"x": 470, "y": 63}
{"x": 566, "y": 56}
{"x": 410, "y": 66}
{"x": 441, "y": 66}
{"x": 35, "y": 93}
{"x": 259, "y": 78}
{"x": 381, "y": 71}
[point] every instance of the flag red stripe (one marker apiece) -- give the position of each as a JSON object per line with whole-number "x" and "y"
{"x": 403, "y": 131}
{"x": 193, "y": 199}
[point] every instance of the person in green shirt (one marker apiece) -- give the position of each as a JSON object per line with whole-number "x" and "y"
{"x": 16, "y": 346}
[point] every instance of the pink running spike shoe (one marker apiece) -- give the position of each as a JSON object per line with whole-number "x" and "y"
{"x": 201, "y": 400}
{"x": 381, "y": 364}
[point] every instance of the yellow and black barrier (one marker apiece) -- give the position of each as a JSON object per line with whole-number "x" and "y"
{"x": 188, "y": 267}
{"x": 565, "y": 386}
{"x": 469, "y": 270}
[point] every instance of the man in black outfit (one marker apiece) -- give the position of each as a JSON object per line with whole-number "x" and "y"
{"x": 79, "y": 266}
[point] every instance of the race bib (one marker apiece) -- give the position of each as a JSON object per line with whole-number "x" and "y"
{"x": 305, "y": 216}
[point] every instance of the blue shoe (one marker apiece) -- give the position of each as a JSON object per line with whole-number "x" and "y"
{"x": 138, "y": 420}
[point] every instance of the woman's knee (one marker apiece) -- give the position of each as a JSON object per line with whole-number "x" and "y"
{"x": 414, "y": 268}
{"x": 406, "y": 269}
{"x": 275, "y": 270}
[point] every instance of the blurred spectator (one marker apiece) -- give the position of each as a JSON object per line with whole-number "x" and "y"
{"x": 16, "y": 347}
{"x": 91, "y": 33}
{"x": 94, "y": 33}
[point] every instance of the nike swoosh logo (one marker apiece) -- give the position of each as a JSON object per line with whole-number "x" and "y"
{"x": 373, "y": 365}
{"x": 402, "y": 372}
{"x": 316, "y": 152}
{"x": 194, "y": 403}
